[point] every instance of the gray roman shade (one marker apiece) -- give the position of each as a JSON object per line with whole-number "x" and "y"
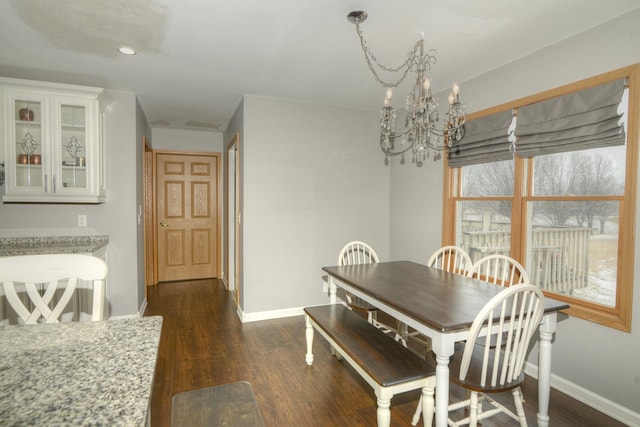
{"x": 577, "y": 121}
{"x": 486, "y": 140}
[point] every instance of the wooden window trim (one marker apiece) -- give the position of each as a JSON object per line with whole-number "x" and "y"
{"x": 618, "y": 317}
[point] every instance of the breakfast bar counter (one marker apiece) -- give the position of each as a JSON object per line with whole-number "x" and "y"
{"x": 79, "y": 373}
{"x": 89, "y": 244}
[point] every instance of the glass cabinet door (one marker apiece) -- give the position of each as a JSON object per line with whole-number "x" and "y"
{"x": 28, "y": 139}
{"x": 72, "y": 153}
{"x": 53, "y": 142}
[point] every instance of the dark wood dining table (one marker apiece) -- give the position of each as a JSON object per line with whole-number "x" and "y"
{"x": 442, "y": 306}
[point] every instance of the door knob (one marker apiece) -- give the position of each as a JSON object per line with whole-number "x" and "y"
{"x": 164, "y": 224}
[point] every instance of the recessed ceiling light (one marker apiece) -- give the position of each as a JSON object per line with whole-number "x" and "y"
{"x": 126, "y": 50}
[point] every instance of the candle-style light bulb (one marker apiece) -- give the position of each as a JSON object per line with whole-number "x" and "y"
{"x": 451, "y": 98}
{"x": 389, "y": 93}
{"x": 427, "y": 84}
{"x": 386, "y": 102}
{"x": 455, "y": 91}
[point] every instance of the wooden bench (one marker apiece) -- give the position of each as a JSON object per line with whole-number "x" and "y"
{"x": 387, "y": 366}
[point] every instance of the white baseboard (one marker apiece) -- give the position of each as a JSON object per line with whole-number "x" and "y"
{"x": 138, "y": 315}
{"x": 602, "y": 404}
{"x": 267, "y": 315}
{"x": 143, "y": 307}
{"x": 274, "y": 314}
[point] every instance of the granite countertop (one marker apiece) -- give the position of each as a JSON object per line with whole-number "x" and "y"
{"x": 11, "y": 246}
{"x": 79, "y": 373}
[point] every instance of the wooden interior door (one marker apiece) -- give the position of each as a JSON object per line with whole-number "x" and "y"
{"x": 187, "y": 216}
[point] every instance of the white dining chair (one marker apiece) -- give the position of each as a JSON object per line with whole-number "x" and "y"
{"x": 497, "y": 269}
{"x": 451, "y": 258}
{"x": 514, "y": 314}
{"x": 358, "y": 252}
{"x": 448, "y": 258}
{"x": 500, "y": 270}
{"x": 39, "y": 287}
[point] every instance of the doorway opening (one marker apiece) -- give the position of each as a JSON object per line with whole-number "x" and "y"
{"x": 233, "y": 218}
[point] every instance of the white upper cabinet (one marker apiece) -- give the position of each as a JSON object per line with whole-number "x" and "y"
{"x": 52, "y": 142}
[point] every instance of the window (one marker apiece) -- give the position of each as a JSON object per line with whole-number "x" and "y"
{"x": 564, "y": 206}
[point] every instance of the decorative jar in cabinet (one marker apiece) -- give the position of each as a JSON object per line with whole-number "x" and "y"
{"x": 52, "y": 142}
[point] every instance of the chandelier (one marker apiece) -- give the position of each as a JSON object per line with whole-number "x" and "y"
{"x": 420, "y": 133}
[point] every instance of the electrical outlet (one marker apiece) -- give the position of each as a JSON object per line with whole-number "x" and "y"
{"x": 82, "y": 220}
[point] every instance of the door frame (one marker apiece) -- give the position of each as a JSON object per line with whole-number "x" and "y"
{"x": 148, "y": 171}
{"x": 233, "y": 225}
{"x": 151, "y": 216}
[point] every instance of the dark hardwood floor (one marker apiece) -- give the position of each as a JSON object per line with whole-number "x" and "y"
{"x": 204, "y": 344}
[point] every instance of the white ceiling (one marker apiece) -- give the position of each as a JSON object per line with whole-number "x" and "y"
{"x": 196, "y": 58}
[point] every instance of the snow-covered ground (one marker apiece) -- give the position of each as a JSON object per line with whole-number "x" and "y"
{"x": 602, "y": 283}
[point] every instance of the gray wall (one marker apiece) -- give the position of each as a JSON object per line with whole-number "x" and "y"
{"x": 186, "y": 140}
{"x": 599, "y": 359}
{"x": 416, "y": 210}
{"x": 312, "y": 180}
{"x": 125, "y": 124}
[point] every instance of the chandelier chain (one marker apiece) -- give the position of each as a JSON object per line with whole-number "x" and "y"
{"x": 406, "y": 65}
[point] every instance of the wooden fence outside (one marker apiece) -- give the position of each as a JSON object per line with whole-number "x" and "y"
{"x": 557, "y": 258}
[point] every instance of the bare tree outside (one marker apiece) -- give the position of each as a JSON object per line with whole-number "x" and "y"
{"x": 565, "y": 175}
{"x": 487, "y": 180}
{"x": 577, "y": 174}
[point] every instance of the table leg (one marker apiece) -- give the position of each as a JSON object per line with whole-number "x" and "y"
{"x": 443, "y": 348}
{"x": 383, "y": 413}
{"x": 333, "y": 299}
{"x": 442, "y": 391}
{"x": 309, "y": 338}
{"x": 332, "y": 291}
{"x": 547, "y": 328}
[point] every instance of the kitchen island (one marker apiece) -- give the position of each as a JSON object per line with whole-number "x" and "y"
{"x": 79, "y": 373}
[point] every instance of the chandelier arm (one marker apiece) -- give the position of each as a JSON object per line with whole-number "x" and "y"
{"x": 430, "y": 145}
{"x": 394, "y": 135}
{"x": 440, "y": 133}
{"x": 394, "y": 153}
